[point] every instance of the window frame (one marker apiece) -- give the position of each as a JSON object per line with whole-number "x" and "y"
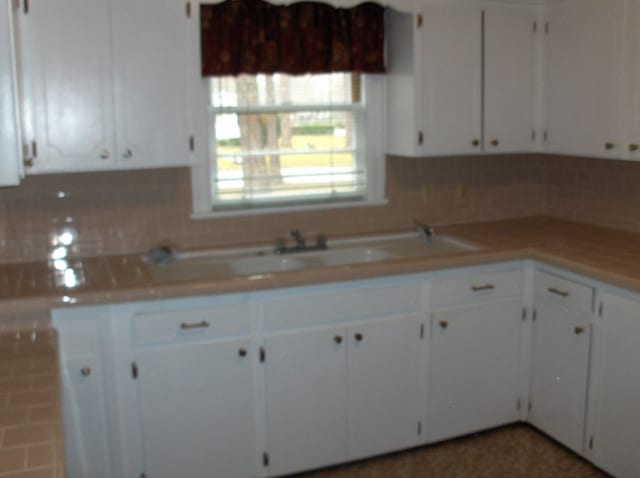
{"x": 371, "y": 151}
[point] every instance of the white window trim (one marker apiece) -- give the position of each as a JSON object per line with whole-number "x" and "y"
{"x": 373, "y": 151}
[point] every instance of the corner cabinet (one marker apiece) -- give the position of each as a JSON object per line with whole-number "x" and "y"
{"x": 461, "y": 79}
{"x": 10, "y": 162}
{"x": 105, "y": 84}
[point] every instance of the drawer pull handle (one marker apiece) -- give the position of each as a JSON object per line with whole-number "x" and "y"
{"x": 561, "y": 293}
{"x": 337, "y": 339}
{"x": 479, "y": 288}
{"x": 443, "y": 324}
{"x": 85, "y": 371}
{"x": 359, "y": 337}
{"x": 579, "y": 330}
{"x": 242, "y": 352}
{"x": 197, "y": 325}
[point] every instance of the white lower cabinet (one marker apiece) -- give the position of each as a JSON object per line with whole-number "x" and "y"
{"x": 559, "y": 373}
{"x": 273, "y": 383}
{"x": 196, "y": 409}
{"x": 614, "y": 442}
{"x": 474, "y": 356}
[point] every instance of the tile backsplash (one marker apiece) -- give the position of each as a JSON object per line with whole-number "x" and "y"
{"x": 122, "y": 212}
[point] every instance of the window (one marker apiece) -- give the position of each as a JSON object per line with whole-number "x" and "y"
{"x": 284, "y": 142}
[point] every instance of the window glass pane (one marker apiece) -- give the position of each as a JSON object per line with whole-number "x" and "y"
{"x": 273, "y": 152}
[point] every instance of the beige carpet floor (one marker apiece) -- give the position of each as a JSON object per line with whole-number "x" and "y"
{"x": 517, "y": 451}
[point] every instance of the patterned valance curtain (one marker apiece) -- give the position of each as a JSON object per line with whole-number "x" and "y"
{"x": 253, "y": 36}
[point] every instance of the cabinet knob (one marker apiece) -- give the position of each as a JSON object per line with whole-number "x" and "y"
{"x": 633, "y": 147}
{"x": 443, "y": 324}
{"x": 475, "y": 143}
{"x": 28, "y": 163}
{"x": 85, "y": 371}
{"x": 242, "y": 352}
{"x": 359, "y": 337}
{"x": 337, "y": 339}
{"x": 495, "y": 143}
{"x": 104, "y": 154}
{"x": 128, "y": 154}
{"x": 579, "y": 330}
{"x": 609, "y": 146}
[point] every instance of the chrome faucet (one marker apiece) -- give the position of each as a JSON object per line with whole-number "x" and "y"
{"x": 301, "y": 243}
{"x": 425, "y": 231}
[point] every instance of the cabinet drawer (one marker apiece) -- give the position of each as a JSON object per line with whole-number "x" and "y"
{"x": 477, "y": 287}
{"x": 342, "y": 304}
{"x": 567, "y": 292}
{"x": 182, "y": 325}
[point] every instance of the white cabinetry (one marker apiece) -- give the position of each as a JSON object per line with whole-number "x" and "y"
{"x": 436, "y": 91}
{"x": 583, "y": 71}
{"x": 10, "y": 149}
{"x": 614, "y": 443}
{"x": 475, "y": 353}
{"x": 560, "y": 358}
{"x": 344, "y": 391}
{"x": 105, "y": 84}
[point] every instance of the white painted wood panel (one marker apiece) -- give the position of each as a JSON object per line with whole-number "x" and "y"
{"x": 509, "y": 78}
{"x": 559, "y": 372}
{"x": 385, "y": 403}
{"x": 197, "y": 411}
{"x": 306, "y": 392}
{"x": 68, "y": 73}
{"x": 474, "y": 376}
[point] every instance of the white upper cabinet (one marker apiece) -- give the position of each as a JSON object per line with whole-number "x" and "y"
{"x": 68, "y": 88}
{"x": 152, "y": 63}
{"x": 9, "y": 128}
{"x": 461, "y": 79}
{"x": 510, "y": 84}
{"x": 630, "y": 147}
{"x": 583, "y": 68}
{"x": 105, "y": 84}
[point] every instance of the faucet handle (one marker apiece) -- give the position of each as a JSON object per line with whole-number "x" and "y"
{"x": 321, "y": 241}
{"x": 424, "y": 230}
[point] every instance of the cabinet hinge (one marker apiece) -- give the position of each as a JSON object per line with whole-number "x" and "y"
{"x": 263, "y": 355}
{"x": 535, "y": 27}
{"x": 265, "y": 459}
{"x": 518, "y": 405}
{"x": 188, "y": 9}
{"x": 419, "y": 428}
{"x": 421, "y": 331}
{"x": 591, "y": 442}
{"x": 545, "y": 136}
{"x": 534, "y": 316}
{"x": 34, "y": 149}
{"x": 25, "y": 6}
{"x": 529, "y": 406}
{"x": 600, "y": 309}
{"x": 546, "y": 28}
{"x": 192, "y": 143}
{"x": 419, "y": 20}
{"x": 534, "y": 135}
{"x": 420, "y": 137}
{"x": 524, "y": 314}
{"x": 134, "y": 370}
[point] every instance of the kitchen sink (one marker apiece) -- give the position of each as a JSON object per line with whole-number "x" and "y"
{"x": 265, "y": 264}
{"x": 354, "y": 256}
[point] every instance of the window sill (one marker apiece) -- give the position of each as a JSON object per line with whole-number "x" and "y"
{"x": 288, "y": 209}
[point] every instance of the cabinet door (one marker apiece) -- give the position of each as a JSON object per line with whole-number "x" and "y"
{"x": 9, "y": 130}
{"x": 582, "y": 85}
{"x": 615, "y": 444}
{"x": 383, "y": 386}
{"x": 452, "y": 79}
{"x": 306, "y": 399}
{"x": 559, "y": 371}
{"x": 68, "y": 85}
{"x": 509, "y": 78}
{"x": 84, "y": 413}
{"x": 474, "y": 368}
{"x": 196, "y": 406}
{"x": 152, "y": 63}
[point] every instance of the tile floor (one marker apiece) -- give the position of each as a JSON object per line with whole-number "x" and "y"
{"x": 517, "y": 451}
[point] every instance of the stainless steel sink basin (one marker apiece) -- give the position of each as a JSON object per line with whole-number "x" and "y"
{"x": 266, "y": 264}
{"x": 354, "y": 256}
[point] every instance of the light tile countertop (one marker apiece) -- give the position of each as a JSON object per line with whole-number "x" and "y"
{"x": 30, "y": 430}
{"x": 604, "y": 254}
